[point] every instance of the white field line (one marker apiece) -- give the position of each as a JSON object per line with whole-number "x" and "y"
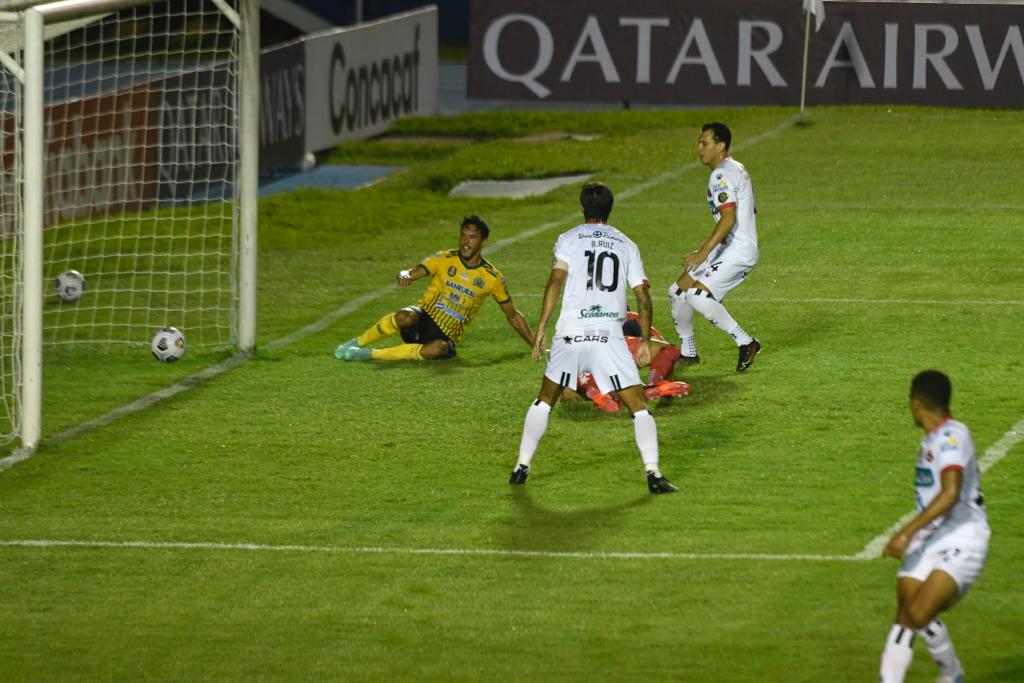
{"x": 994, "y": 454}
{"x": 472, "y": 552}
{"x": 847, "y": 300}
{"x": 329, "y": 319}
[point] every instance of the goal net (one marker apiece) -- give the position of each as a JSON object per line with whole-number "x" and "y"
{"x": 139, "y": 174}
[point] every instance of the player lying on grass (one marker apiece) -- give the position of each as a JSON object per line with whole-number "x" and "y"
{"x": 659, "y": 384}
{"x": 945, "y": 546}
{"x": 460, "y": 281}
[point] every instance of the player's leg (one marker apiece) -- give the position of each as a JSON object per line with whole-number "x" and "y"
{"x": 664, "y": 357}
{"x": 534, "y": 426}
{"x": 390, "y": 324}
{"x": 561, "y": 371}
{"x": 645, "y": 431}
{"x": 924, "y": 601}
{"x": 613, "y": 368}
{"x": 721, "y": 277}
{"x": 682, "y": 317}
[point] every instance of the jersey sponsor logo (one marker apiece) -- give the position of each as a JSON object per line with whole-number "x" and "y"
{"x": 460, "y": 288}
{"x": 597, "y": 235}
{"x": 596, "y": 311}
{"x": 600, "y": 338}
{"x": 479, "y": 283}
{"x": 924, "y": 477}
{"x": 453, "y": 313}
{"x": 948, "y": 446}
{"x": 718, "y": 176}
{"x": 451, "y": 271}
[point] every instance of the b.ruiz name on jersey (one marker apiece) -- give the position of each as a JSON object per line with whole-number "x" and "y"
{"x": 461, "y": 288}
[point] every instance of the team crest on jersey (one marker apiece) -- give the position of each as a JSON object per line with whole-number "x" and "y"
{"x": 722, "y": 197}
{"x": 451, "y": 271}
{"x": 479, "y": 283}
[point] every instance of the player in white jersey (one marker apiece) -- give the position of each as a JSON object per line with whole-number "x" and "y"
{"x": 724, "y": 259}
{"x": 595, "y": 263}
{"x": 944, "y": 547}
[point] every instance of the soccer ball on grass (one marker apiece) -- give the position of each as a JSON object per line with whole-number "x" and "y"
{"x": 168, "y": 345}
{"x": 69, "y": 285}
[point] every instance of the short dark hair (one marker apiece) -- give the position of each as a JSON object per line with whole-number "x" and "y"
{"x": 597, "y": 201}
{"x": 473, "y": 219}
{"x": 719, "y": 131}
{"x": 933, "y": 389}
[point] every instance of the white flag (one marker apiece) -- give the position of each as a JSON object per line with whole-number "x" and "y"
{"x": 817, "y": 8}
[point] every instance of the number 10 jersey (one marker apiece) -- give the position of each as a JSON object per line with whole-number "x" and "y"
{"x": 602, "y": 264}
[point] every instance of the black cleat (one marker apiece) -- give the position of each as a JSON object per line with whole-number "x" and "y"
{"x": 657, "y": 484}
{"x": 519, "y": 475}
{"x": 688, "y": 360}
{"x": 747, "y": 354}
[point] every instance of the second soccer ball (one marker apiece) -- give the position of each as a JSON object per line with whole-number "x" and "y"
{"x": 69, "y": 285}
{"x": 168, "y": 345}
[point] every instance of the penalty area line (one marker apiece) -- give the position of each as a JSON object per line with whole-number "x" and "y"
{"x": 443, "y": 552}
{"x": 994, "y": 454}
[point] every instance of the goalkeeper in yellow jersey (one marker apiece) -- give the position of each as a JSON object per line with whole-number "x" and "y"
{"x": 460, "y": 281}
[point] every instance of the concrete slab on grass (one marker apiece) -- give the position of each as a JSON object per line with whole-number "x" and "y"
{"x": 516, "y": 189}
{"x": 329, "y": 177}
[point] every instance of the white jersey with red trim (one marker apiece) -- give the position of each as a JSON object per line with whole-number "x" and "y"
{"x": 950, "y": 446}
{"x": 603, "y": 265}
{"x": 729, "y": 185}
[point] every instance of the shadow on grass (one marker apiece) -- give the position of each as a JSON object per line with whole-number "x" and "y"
{"x": 532, "y": 527}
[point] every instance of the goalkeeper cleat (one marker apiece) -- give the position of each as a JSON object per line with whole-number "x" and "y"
{"x": 605, "y": 402}
{"x": 659, "y": 484}
{"x": 666, "y": 388}
{"x": 339, "y": 352}
{"x": 357, "y": 353}
{"x": 747, "y": 354}
{"x": 519, "y": 475}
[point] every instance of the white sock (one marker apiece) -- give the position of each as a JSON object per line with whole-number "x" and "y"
{"x": 717, "y": 315}
{"x": 936, "y": 637}
{"x": 897, "y": 654}
{"x": 534, "y": 426}
{"x": 682, "y": 317}
{"x": 646, "y": 433}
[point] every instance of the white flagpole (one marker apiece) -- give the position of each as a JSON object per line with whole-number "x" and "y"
{"x": 803, "y": 80}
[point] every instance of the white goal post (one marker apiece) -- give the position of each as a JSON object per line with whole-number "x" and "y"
{"x": 129, "y": 153}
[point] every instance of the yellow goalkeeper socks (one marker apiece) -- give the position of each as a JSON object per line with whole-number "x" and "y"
{"x": 385, "y": 327}
{"x": 401, "y": 352}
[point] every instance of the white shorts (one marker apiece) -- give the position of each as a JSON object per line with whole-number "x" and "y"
{"x": 948, "y": 555}
{"x": 601, "y": 352}
{"x": 723, "y": 270}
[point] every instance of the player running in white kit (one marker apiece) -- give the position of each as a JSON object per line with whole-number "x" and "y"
{"x": 595, "y": 263}
{"x": 944, "y": 547}
{"x": 725, "y": 258}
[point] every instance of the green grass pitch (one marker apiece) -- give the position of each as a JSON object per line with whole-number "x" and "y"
{"x": 297, "y": 518}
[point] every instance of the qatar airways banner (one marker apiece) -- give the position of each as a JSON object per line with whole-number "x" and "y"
{"x": 746, "y": 52}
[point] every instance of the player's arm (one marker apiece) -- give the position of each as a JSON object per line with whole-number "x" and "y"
{"x": 517, "y": 321}
{"x": 407, "y": 277}
{"x": 940, "y": 505}
{"x": 646, "y": 311}
{"x": 559, "y": 272}
{"x": 726, "y": 222}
